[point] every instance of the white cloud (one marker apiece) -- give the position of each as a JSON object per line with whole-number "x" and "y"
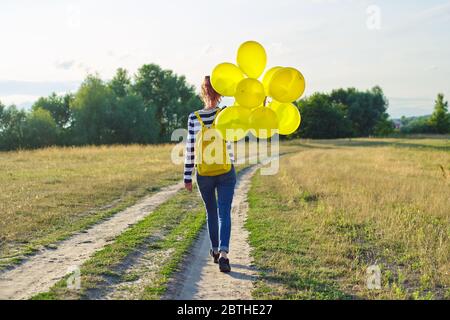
{"x": 65, "y": 65}
{"x": 85, "y": 68}
{"x": 434, "y": 12}
{"x": 207, "y": 49}
{"x": 125, "y": 56}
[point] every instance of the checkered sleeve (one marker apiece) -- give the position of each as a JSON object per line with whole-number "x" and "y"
{"x": 189, "y": 162}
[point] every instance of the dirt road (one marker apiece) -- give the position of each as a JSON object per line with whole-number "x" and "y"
{"x": 43, "y": 270}
{"x": 200, "y": 278}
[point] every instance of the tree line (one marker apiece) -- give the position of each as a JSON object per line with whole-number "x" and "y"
{"x": 344, "y": 113}
{"x": 438, "y": 122}
{"x": 147, "y": 107}
{"x": 142, "y": 109}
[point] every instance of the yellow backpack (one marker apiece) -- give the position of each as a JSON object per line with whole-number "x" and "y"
{"x": 211, "y": 156}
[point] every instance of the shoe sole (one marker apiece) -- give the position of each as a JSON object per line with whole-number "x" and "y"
{"x": 224, "y": 267}
{"x": 226, "y": 270}
{"x": 216, "y": 260}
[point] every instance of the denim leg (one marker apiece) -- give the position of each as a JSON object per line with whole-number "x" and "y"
{"x": 207, "y": 188}
{"x": 225, "y": 192}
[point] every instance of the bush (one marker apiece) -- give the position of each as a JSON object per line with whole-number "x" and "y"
{"x": 322, "y": 119}
{"x": 12, "y": 122}
{"x": 39, "y": 130}
{"x": 344, "y": 113}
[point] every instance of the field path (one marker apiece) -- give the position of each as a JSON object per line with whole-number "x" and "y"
{"x": 200, "y": 277}
{"x": 43, "y": 270}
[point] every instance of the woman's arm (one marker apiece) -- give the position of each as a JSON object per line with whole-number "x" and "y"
{"x": 189, "y": 161}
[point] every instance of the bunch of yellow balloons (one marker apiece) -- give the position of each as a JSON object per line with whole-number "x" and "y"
{"x": 250, "y": 112}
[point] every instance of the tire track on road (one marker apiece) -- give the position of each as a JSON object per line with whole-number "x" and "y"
{"x": 42, "y": 270}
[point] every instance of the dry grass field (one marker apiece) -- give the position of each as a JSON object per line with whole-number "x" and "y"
{"x": 334, "y": 209}
{"x": 47, "y": 194}
{"x": 338, "y": 207}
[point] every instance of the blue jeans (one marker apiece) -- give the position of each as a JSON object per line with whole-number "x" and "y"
{"x": 218, "y": 208}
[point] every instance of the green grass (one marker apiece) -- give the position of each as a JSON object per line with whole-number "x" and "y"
{"x": 335, "y": 208}
{"x": 287, "y": 255}
{"x": 171, "y": 228}
{"x": 47, "y": 195}
{"x": 176, "y": 224}
{"x": 59, "y": 234}
{"x": 339, "y": 206}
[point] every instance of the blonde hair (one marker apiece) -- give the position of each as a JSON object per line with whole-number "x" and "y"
{"x": 210, "y": 97}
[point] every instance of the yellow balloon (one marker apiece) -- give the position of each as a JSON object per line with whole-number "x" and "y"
{"x": 225, "y": 77}
{"x": 268, "y": 77}
{"x": 252, "y": 59}
{"x": 253, "y": 109}
{"x": 232, "y": 123}
{"x": 287, "y": 85}
{"x": 250, "y": 93}
{"x": 289, "y": 118}
{"x": 263, "y": 123}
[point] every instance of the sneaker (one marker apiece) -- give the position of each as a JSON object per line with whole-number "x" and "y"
{"x": 215, "y": 256}
{"x": 224, "y": 265}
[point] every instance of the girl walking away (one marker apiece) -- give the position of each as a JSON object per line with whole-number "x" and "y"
{"x": 220, "y": 179}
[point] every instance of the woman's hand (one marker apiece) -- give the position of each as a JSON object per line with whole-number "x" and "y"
{"x": 188, "y": 186}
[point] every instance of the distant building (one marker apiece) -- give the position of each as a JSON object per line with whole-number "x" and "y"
{"x": 397, "y": 124}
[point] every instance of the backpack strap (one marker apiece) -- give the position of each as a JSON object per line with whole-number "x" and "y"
{"x": 217, "y": 113}
{"x": 215, "y": 117}
{"x": 199, "y": 118}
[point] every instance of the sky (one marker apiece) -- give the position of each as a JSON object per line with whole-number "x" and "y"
{"x": 403, "y": 45}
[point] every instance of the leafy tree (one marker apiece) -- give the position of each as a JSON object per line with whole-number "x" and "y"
{"x": 118, "y": 111}
{"x": 58, "y": 106}
{"x": 416, "y": 125}
{"x": 364, "y": 109}
{"x": 2, "y": 109}
{"x": 323, "y": 119}
{"x": 344, "y": 96}
{"x": 131, "y": 122}
{"x": 12, "y": 122}
{"x": 92, "y": 108}
{"x": 40, "y": 129}
{"x": 384, "y": 126}
{"x": 404, "y": 120}
{"x": 121, "y": 83}
{"x": 110, "y": 113}
{"x": 440, "y": 119}
{"x": 168, "y": 94}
